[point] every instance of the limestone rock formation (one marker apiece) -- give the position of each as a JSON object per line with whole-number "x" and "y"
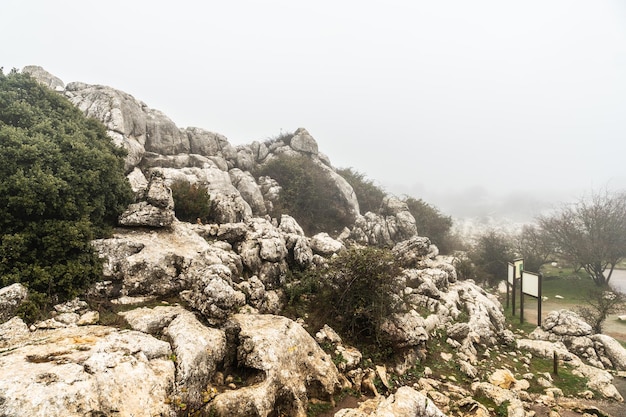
{"x": 11, "y": 297}
{"x": 280, "y": 352}
{"x": 82, "y": 371}
{"x": 406, "y": 402}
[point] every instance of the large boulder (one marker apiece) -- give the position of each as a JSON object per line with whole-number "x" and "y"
{"x": 197, "y": 349}
{"x": 392, "y": 225}
{"x": 11, "y": 297}
{"x": 280, "y": 351}
{"x": 406, "y": 402}
{"x": 89, "y": 370}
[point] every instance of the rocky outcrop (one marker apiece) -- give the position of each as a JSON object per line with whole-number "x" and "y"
{"x": 89, "y": 370}
{"x": 393, "y": 224}
{"x": 278, "y": 352}
{"x": 406, "y": 402}
{"x": 11, "y": 297}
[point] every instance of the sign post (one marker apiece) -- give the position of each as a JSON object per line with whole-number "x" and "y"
{"x": 518, "y": 266}
{"x": 531, "y": 285}
{"x": 510, "y": 280}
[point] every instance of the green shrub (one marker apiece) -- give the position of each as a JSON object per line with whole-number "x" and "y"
{"x": 308, "y": 194}
{"x": 370, "y": 195}
{"x": 358, "y": 293}
{"x": 191, "y": 201}
{"x": 490, "y": 255}
{"x": 62, "y": 184}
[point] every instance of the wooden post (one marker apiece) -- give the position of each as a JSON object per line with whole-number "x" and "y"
{"x": 508, "y": 290}
{"x": 555, "y": 363}
{"x": 539, "y": 301}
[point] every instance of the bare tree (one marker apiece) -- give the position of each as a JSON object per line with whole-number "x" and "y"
{"x": 599, "y": 304}
{"x": 591, "y": 233}
{"x": 535, "y": 246}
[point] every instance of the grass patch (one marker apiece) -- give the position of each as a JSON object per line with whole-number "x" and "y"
{"x": 572, "y": 285}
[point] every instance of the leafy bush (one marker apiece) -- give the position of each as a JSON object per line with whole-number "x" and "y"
{"x": 62, "y": 184}
{"x": 358, "y": 293}
{"x": 490, "y": 255}
{"x": 370, "y": 195}
{"x": 308, "y": 194}
{"x": 191, "y": 201}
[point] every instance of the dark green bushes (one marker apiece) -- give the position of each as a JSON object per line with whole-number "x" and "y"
{"x": 191, "y": 201}
{"x": 308, "y": 194}
{"x": 359, "y": 292}
{"x": 370, "y": 195}
{"x": 62, "y": 184}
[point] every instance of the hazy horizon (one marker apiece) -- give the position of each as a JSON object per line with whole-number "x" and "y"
{"x": 482, "y": 106}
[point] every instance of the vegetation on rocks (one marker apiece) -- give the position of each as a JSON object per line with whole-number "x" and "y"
{"x": 61, "y": 185}
{"x": 308, "y": 194}
{"x": 369, "y": 194}
{"x": 191, "y": 201}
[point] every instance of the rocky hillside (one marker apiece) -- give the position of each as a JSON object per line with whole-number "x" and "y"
{"x": 189, "y": 318}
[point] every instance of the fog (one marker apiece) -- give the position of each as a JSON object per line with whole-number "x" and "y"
{"x": 481, "y": 108}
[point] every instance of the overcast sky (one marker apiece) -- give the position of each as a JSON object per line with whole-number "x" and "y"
{"x": 457, "y": 102}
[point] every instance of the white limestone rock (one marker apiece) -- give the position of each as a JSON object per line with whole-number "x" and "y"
{"x": 323, "y": 244}
{"x": 11, "y": 297}
{"x": 406, "y": 402}
{"x": 90, "y": 370}
{"x": 44, "y": 77}
{"x": 282, "y": 351}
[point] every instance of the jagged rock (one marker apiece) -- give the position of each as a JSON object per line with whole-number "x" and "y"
{"x": 325, "y": 245}
{"x": 44, "y": 77}
{"x": 207, "y": 143}
{"x": 90, "y": 370}
{"x": 264, "y": 252}
{"x": 212, "y": 293}
{"x": 281, "y": 351}
{"x": 412, "y": 251}
{"x": 406, "y": 329}
{"x": 613, "y": 351}
{"x": 351, "y": 357}
{"x": 566, "y": 323}
{"x": 302, "y": 141}
{"x": 12, "y": 330}
{"x": 11, "y": 297}
{"x": 198, "y": 351}
{"x": 327, "y": 334}
{"x": 394, "y": 224}
{"x": 515, "y": 407}
{"x": 138, "y": 182}
{"x": 145, "y": 214}
{"x": 406, "y": 402}
{"x": 75, "y": 305}
{"x": 249, "y": 190}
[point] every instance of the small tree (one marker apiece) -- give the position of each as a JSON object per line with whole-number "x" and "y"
{"x": 591, "y": 233}
{"x": 599, "y": 304}
{"x": 491, "y": 254}
{"x": 191, "y": 201}
{"x": 534, "y": 245}
{"x": 308, "y": 194}
{"x": 359, "y": 292}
